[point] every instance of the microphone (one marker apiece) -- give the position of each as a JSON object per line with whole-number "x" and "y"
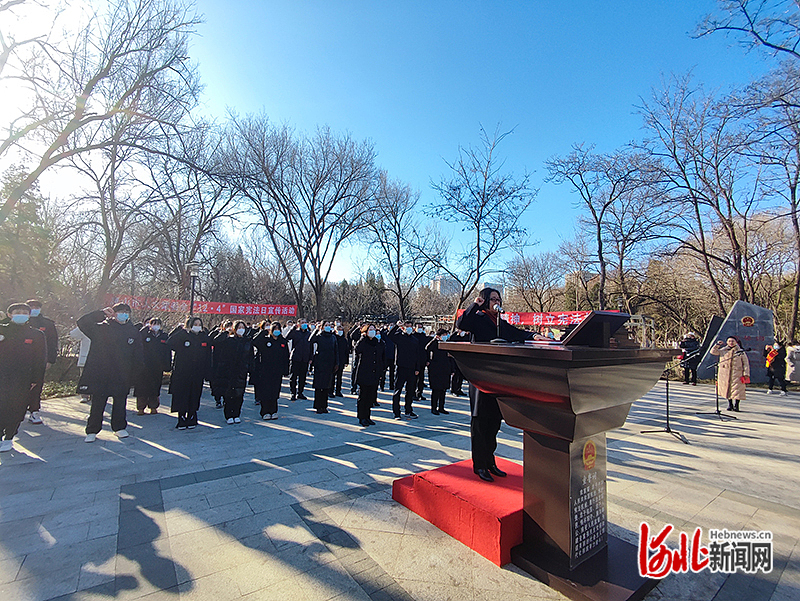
{"x": 498, "y": 308}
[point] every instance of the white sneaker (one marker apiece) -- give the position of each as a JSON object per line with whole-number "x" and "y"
{"x": 122, "y": 433}
{"x": 782, "y": 393}
{"x": 236, "y": 420}
{"x": 35, "y": 418}
{"x": 6, "y": 446}
{"x": 90, "y": 438}
{"x": 770, "y": 391}
{"x": 230, "y": 420}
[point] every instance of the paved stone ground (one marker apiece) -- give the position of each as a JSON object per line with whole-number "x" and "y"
{"x": 300, "y": 508}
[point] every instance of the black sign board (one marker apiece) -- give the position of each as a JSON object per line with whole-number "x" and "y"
{"x": 587, "y": 498}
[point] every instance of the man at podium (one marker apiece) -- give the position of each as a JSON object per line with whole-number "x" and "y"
{"x": 480, "y": 320}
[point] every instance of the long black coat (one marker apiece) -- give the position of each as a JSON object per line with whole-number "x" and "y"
{"x": 48, "y": 327}
{"x": 483, "y": 329}
{"x": 324, "y": 357}
{"x": 439, "y": 366}
{"x": 273, "y": 355}
{"x": 371, "y": 362}
{"x": 301, "y": 350}
{"x": 191, "y": 365}
{"x": 345, "y": 346}
{"x": 115, "y": 356}
{"x": 157, "y": 359}
{"x": 235, "y": 356}
{"x": 216, "y": 378}
{"x": 23, "y": 358}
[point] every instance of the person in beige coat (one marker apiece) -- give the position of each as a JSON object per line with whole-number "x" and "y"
{"x": 733, "y": 373}
{"x": 793, "y": 362}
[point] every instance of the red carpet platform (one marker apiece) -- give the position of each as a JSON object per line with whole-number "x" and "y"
{"x": 485, "y": 516}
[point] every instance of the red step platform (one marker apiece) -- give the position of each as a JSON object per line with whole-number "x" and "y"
{"x": 485, "y": 516}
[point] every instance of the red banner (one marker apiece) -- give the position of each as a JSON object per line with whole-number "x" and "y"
{"x": 558, "y": 319}
{"x": 145, "y": 304}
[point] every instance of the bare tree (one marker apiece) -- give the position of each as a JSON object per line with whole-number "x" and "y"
{"x": 130, "y": 63}
{"x": 537, "y": 279}
{"x": 485, "y": 202}
{"x": 609, "y": 186}
{"x": 773, "y": 24}
{"x": 310, "y": 193}
{"x": 401, "y": 246}
{"x": 700, "y": 146}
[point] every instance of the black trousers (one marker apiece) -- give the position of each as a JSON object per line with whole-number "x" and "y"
{"x": 457, "y": 381}
{"x": 147, "y": 402}
{"x": 337, "y": 381}
{"x": 321, "y": 398}
{"x": 12, "y": 412}
{"x": 297, "y": 382}
{"x": 437, "y": 399}
{"x": 232, "y": 402}
{"x": 269, "y": 406}
{"x": 391, "y": 378}
{"x": 776, "y": 376}
{"x": 688, "y": 373}
{"x": 367, "y": 395}
{"x": 353, "y": 385}
{"x": 119, "y": 420}
{"x": 420, "y": 382}
{"x": 35, "y": 397}
{"x": 405, "y": 377}
{"x": 483, "y": 434}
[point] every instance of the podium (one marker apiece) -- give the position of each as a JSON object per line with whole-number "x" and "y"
{"x": 565, "y": 396}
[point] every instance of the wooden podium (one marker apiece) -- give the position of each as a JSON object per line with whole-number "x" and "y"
{"x": 565, "y": 396}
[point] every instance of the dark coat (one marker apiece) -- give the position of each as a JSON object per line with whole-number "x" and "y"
{"x": 48, "y": 326}
{"x": 389, "y": 347}
{"x": 301, "y": 349}
{"x": 691, "y": 355}
{"x": 115, "y": 356}
{"x": 324, "y": 357}
{"x": 216, "y": 377}
{"x": 157, "y": 359}
{"x": 372, "y": 361}
{"x": 439, "y": 366}
{"x": 406, "y": 349}
{"x": 483, "y": 329}
{"x": 273, "y": 355}
{"x": 423, "y": 340}
{"x": 235, "y": 355}
{"x": 23, "y": 359}
{"x": 778, "y": 364}
{"x": 344, "y": 346}
{"x": 191, "y": 365}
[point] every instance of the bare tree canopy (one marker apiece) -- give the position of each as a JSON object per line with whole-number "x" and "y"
{"x": 130, "y": 63}
{"x": 488, "y": 203}
{"x": 773, "y": 24}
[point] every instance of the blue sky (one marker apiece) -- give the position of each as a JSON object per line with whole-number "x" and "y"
{"x": 419, "y": 77}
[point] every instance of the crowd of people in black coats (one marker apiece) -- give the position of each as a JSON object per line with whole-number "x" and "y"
{"x": 232, "y": 355}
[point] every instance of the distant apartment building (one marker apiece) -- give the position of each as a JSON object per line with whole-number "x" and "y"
{"x": 445, "y": 285}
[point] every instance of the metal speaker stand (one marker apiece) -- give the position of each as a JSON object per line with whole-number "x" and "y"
{"x": 667, "y": 428}
{"x": 722, "y": 416}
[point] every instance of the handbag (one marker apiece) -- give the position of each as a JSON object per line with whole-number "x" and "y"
{"x": 745, "y": 379}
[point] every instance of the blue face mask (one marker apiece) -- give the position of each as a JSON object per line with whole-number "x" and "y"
{"x": 122, "y": 317}
{"x": 445, "y": 337}
{"x": 303, "y": 326}
{"x": 20, "y": 318}
{"x": 35, "y": 312}
{"x": 378, "y": 336}
{"x": 327, "y": 328}
{"x": 409, "y": 330}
